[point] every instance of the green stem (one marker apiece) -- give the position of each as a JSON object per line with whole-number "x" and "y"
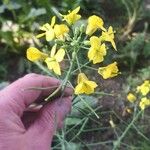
{"x": 88, "y": 106}
{"x": 127, "y": 8}
{"x": 117, "y": 143}
{"x": 54, "y": 93}
{"x": 85, "y": 47}
{"x": 69, "y": 71}
{"x": 43, "y": 68}
{"x": 91, "y": 68}
{"x": 85, "y": 114}
{"x": 81, "y": 129}
{"x": 141, "y": 134}
{"x": 103, "y": 93}
{"x": 81, "y": 66}
{"x": 78, "y": 64}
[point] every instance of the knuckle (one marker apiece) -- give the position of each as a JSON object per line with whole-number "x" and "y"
{"x": 31, "y": 75}
{"x": 49, "y": 81}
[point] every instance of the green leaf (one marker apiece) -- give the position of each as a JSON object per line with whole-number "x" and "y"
{"x": 3, "y": 85}
{"x": 12, "y": 6}
{"x": 72, "y": 146}
{"x": 90, "y": 100}
{"x": 146, "y": 50}
{"x": 36, "y": 12}
{"x": 2, "y": 9}
{"x": 72, "y": 121}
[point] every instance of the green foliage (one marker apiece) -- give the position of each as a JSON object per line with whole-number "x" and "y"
{"x": 132, "y": 51}
{"x": 18, "y": 21}
{"x": 146, "y": 50}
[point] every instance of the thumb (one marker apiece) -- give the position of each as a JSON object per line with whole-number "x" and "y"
{"x": 51, "y": 117}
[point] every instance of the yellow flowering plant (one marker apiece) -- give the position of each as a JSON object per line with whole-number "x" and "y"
{"x": 141, "y": 96}
{"x": 68, "y": 41}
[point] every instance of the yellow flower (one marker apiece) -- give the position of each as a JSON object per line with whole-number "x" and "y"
{"x": 94, "y": 23}
{"x": 145, "y": 102}
{"x": 48, "y": 30}
{"x": 109, "y": 71}
{"x": 97, "y": 51}
{"x": 109, "y": 36}
{"x": 84, "y": 85}
{"x": 144, "y": 88}
{"x": 131, "y": 98}
{"x": 72, "y": 17}
{"x": 33, "y": 54}
{"x": 54, "y": 59}
{"x": 61, "y": 30}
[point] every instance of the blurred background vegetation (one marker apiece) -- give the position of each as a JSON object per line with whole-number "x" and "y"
{"x": 19, "y": 23}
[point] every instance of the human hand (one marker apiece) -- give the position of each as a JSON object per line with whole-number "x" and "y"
{"x": 22, "y": 130}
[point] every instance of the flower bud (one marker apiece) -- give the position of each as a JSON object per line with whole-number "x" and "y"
{"x": 76, "y": 31}
{"x": 73, "y": 54}
{"x": 82, "y": 28}
{"x": 86, "y": 42}
{"x": 79, "y": 38}
{"x": 68, "y": 37}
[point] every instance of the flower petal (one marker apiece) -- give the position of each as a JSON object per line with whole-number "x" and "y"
{"x": 113, "y": 44}
{"x": 50, "y": 35}
{"x": 54, "y": 65}
{"x": 87, "y": 88}
{"x": 53, "y": 50}
{"x": 49, "y": 61}
{"x": 45, "y": 27}
{"x": 94, "y": 23}
{"x": 33, "y": 54}
{"x": 76, "y": 10}
{"x": 111, "y": 32}
{"x": 103, "y": 49}
{"x": 53, "y": 21}
{"x": 95, "y": 41}
{"x": 60, "y": 55}
{"x": 109, "y": 71}
{"x": 98, "y": 58}
{"x": 56, "y": 68}
{"x": 60, "y": 30}
{"x": 79, "y": 89}
{"x": 84, "y": 85}
{"x": 91, "y": 53}
{"x": 40, "y": 35}
{"x": 81, "y": 78}
{"x": 91, "y": 83}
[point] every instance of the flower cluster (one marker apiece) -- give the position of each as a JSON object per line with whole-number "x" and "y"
{"x": 141, "y": 95}
{"x": 69, "y": 40}
{"x": 52, "y": 31}
{"x": 144, "y": 88}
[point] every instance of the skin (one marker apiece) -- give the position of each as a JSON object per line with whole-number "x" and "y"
{"x": 23, "y": 127}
